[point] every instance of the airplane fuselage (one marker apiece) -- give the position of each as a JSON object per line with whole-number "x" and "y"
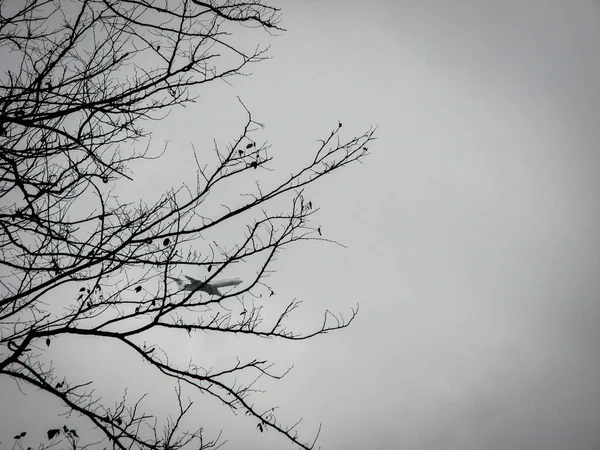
{"x": 210, "y": 288}
{"x": 220, "y": 283}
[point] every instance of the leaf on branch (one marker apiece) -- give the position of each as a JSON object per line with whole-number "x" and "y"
{"x": 166, "y": 242}
{"x": 47, "y": 342}
{"x": 23, "y": 434}
{"x": 319, "y": 230}
{"x": 82, "y": 289}
{"x": 250, "y": 145}
{"x": 59, "y": 385}
{"x": 241, "y": 152}
{"x": 118, "y": 421}
{"x": 105, "y": 180}
{"x": 339, "y": 124}
{"x": 137, "y": 309}
{"x": 209, "y": 267}
{"x": 65, "y": 428}
{"x": 53, "y": 433}
{"x": 260, "y": 427}
{"x": 138, "y": 289}
{"x": 254, "y": 164}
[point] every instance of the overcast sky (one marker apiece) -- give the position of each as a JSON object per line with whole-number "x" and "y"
{"x": 472, "y": 229}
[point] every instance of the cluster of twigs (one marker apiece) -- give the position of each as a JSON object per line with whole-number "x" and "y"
{"x": 85, "y": 76}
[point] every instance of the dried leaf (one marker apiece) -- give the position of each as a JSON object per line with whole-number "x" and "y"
{"x": 166, "y": 242}
{"x": 82, "y": 289}
{"x": 53, "y": 433}
{"x": 47, "y": 342}
{"x": 250, "y": 145}
{"x": 138, "y": 289}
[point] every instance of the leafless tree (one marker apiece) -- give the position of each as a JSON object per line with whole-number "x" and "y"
{"x": 84, "y": 78}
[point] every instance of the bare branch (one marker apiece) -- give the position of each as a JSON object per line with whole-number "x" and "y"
{"x": 86, "y": 79}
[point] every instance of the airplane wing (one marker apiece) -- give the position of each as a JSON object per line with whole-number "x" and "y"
{"x": 193, "y": 280}
{"x": 212, "y": 290}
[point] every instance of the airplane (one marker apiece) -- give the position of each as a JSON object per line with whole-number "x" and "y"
{"x": 197, "y": 285}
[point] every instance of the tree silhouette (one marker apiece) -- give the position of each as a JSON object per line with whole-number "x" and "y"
{"x": 85, "y": 77}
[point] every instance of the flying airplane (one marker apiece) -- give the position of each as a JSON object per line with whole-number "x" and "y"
{"x": 197, "y": 285}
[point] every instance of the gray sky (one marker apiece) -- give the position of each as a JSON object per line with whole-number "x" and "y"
{"x": 472, "y": 229}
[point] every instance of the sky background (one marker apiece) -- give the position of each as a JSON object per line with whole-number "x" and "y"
{"x": 472, "y": 229}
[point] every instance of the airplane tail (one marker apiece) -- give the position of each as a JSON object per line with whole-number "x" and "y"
{"x": 180, "y": 284}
